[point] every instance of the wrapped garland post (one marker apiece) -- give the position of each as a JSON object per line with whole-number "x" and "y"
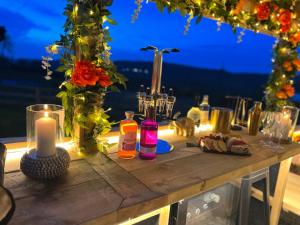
{"x": 280, "y": 87}
{"x": 276, "y": 17}
{"x": 90, "y": 74}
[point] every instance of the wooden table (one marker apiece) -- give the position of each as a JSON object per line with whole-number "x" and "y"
{"x": 104, "y": 189}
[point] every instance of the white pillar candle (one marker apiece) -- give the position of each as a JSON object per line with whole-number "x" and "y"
{"x": 45, "y": 136}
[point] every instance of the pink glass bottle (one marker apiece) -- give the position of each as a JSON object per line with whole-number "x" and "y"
{"x": 149, "y": 131}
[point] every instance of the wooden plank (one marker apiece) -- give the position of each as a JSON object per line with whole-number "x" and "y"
{"x": 80, "y": 196}
{"x": 279, "y": 190}
{"x": 21, "y": 186}
{"x": 119, "y": 179}
{"x": 179, "y": 152}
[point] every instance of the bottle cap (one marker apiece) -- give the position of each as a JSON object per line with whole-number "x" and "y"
{"x": 129, "y": 114}
{"x": 142, "y": 89}
{"x": 148, "y": 91}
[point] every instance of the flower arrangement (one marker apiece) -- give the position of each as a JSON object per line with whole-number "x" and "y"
{"x": 90, "y": 74}
{"x": 279, "y": 18}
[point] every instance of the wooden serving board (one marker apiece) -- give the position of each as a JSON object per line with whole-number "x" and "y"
{"x": 217, "y": 152}
{"x": 224, "y": 153}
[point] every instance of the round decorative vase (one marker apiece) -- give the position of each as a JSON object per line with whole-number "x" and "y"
{"x": 86, "y": 109}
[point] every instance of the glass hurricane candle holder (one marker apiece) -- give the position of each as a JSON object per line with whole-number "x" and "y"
{"x": 45, "y": 128}
{"x": 290, "y": 118}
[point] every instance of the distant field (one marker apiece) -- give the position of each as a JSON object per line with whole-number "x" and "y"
{"x": 13, "y": 121}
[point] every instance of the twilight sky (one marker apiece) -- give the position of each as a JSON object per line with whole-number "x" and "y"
{"x": 32, "y": 24}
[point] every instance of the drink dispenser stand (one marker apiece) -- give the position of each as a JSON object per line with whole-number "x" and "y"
{"x": 156, "y": 96}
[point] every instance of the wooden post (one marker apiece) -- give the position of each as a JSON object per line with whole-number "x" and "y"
{"x": 164, "y": 215}
{"x": 162, "y": 212}
{"x": 280, "y": 190}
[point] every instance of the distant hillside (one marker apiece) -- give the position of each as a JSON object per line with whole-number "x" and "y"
{"x": 188, "y": 81}
{"x": 22, "y": 83}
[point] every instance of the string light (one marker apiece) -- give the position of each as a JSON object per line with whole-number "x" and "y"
{"x": 240, "y": 37}
{"x": 219, "y": 24}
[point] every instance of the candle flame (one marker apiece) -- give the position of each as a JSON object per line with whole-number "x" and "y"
{"x": 46, "y": 114}
{"x": 45, "y": 106}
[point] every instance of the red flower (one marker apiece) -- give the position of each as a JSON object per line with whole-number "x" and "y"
{"x": 285, "y": 18}
{"x": 86, "y": 73}
{"x": 289, "y": 90}
{"x": 285, "y": 28}
{"x": 104, "y": 80}
{"x": 263, "y": 11}
{"x": 275, "y": 7}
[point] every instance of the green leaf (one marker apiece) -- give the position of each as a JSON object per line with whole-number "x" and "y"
{"x": 111, "y": 21}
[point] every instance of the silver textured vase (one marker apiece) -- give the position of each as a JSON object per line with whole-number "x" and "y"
{"x": 2, "y": 162}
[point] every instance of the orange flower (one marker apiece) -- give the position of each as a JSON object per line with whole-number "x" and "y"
{"x": 285, "y": 18}
{"x": 289, "y": 90}
{"x": 296, "y": 62}
{"x": 285, "y": 92}
{"x": 295, "y": 38}
{"x": 281, "y": 95}
{"x": 239, "y": 7}
{"x": 263, "y": 11}
{"x": 86, "y": 73}
{"x": 287, "y": 66}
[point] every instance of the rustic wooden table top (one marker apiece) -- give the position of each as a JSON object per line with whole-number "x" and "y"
{"x": 104, "y": 189}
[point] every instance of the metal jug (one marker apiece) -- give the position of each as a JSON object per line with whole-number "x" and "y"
{"x": 221, "y": 119}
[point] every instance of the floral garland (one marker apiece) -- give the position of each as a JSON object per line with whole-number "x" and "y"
{"x": 85, "y": 61}
{"x": 276, "y": 17}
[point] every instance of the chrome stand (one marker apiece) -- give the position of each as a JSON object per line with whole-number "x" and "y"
{"x": 156, "y": 96}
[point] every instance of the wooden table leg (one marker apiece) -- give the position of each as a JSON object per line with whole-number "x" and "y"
{"x": 280, "y": 190}
{"x": 164, "y": 216}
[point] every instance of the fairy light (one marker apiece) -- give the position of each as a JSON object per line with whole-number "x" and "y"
{"x": 91, "y": 12}
{"x": 75, "y": 10}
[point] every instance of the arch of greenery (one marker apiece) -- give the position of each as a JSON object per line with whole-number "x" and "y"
{"x": 86, "y": 38}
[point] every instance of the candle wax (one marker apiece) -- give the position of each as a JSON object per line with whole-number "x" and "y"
{"x": 45, "y": 136}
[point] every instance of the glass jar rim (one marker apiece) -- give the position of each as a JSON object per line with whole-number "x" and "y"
{"x": 50, "y": 107}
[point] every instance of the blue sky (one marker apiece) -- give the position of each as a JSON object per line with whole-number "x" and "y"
{"x": 32, "y": 24}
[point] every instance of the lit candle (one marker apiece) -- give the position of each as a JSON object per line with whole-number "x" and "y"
{"x": 45, "y": 136}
